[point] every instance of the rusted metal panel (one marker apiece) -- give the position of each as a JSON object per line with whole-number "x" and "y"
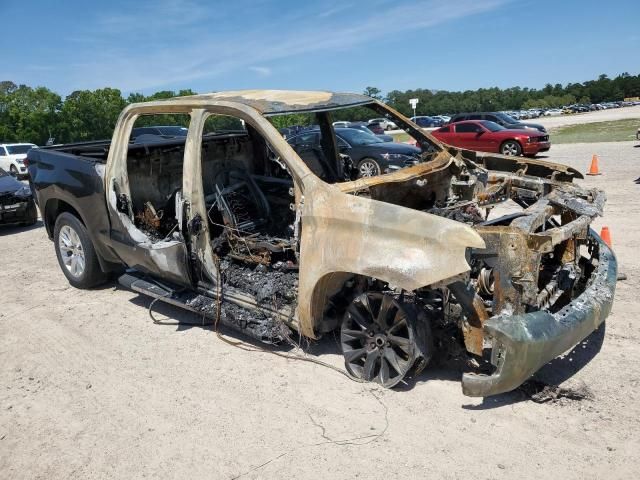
{"x": 278, "y": 102}
{"x": 524, "y": 343}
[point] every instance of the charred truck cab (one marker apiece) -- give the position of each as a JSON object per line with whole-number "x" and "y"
{"x": 236, "y": 226}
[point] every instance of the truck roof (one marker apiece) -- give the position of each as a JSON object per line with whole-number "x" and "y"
{"x": 279, "y": 102}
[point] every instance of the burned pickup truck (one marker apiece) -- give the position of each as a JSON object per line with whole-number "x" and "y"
{"x": 233, "y": 224}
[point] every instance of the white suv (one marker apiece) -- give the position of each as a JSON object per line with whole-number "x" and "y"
{"x": 384, "y": 123}
{"x": 12, "y": 157}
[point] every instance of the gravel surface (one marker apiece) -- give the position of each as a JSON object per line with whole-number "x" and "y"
{"x": 91, "y": 388}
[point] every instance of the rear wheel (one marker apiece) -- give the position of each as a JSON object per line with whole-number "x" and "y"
{"x": 76, "y": 255}
{"x": 378, "y": 339}
{"x": 511, "y": 147}
{"x": 13, "y": 170}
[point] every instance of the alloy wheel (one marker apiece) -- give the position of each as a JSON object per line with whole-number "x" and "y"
{"x": 368, "y": 168}
{"x": 377, "y": 339}
{"x": 71, "y": 251}
{"x": 510, "y": 148}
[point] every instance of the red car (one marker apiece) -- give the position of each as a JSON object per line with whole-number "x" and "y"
{"x": 486, "y": 136}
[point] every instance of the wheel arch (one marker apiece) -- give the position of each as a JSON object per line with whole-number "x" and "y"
{"x": 328, "y": 286}
{"x": 54, "y": 208}
{"x": 512, "y": 139}
{"x": 333, "y": 292}
{"x": 52, "y": 211}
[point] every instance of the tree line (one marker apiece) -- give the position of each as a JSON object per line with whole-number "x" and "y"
{"x": 30, "y": 114}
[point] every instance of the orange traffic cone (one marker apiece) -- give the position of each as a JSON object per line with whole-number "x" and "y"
{"x": 605, "y": 235}
{"x": 593, "y": 170}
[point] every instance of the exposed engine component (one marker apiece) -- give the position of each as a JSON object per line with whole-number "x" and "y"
{"x": 465, "y": 212}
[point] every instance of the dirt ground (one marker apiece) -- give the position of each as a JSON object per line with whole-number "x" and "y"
{"x": 91, "y": 388}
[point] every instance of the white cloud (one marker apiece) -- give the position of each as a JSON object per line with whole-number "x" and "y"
{"x": 334, "y": 10}
{"x": 176, "y": 42}
{"x": 262, "y": 71}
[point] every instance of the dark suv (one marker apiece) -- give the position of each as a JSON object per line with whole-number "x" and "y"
{"x": 498, "y": 117}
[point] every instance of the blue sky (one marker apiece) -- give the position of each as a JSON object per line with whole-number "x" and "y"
{"x": 344, "y": 45}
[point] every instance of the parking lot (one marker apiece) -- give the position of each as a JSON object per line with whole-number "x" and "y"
{"x": 589, "y": 117}
{"x": 92, "y": 388}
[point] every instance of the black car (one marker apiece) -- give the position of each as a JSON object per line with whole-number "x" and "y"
{"x": 498, "y": 117}
{"x": 426, "y": 121}
{"x": 369, "y": 154}
{"x": 167, "y": 131}
{"x": 367, "y": 128}
{"x": 16, "y": 201}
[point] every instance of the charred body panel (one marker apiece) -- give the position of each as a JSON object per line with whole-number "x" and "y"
{"x": 240, "y": 222}
{"x": 523, "y": 343}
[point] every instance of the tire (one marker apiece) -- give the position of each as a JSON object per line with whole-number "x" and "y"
{"x": 387, "y": 128}
{"x": 32, "y": 215}
{"x": 13, "y": 171}
{"x": 77, "y": 258}
{"x": 378, "y": 339}
{"x": 368, "y": 167}
{"x": 511, "y": 148}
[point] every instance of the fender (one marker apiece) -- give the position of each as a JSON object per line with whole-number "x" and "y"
{"x": 347, "y": 233}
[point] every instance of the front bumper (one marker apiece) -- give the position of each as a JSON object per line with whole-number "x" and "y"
{"x": 522, "y": 344}
{"x": 16, "y": 211}
{"x": 536, "y": 147}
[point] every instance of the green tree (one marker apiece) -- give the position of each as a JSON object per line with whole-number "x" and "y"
{"x": 90, "y": 115}
{"x": 374, "y": 92}
{"x": 27, "y": 114}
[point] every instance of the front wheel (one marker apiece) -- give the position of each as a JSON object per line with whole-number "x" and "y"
{"x": 13, "y": 170}
{"x": 378, "y": 339}
{"x": 368, "y": 167}
{"x": 76, "y": 256}
{"x": 511, "y": 148}
{"x": 32, "y": 214}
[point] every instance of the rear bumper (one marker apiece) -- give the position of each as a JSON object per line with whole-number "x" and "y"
{"x": 522, "y": 344}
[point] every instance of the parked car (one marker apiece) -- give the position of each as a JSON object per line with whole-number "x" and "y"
{"x": 17, "y": 205}
{"x": 376, "y": 128}
{"x": 385, "y": 123}
{"x": 371, "y": 156}
{"x": 497, "y": 117}
{"x": 403, "y": 267}
{"x": 12, "y": 157}
{"x": 426, "y": 121}
{"x": 486, "y": 136}
{"x": 366, "y": 128}
{"x": 160, "y": 130}
{"x": 551, "y": 112}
